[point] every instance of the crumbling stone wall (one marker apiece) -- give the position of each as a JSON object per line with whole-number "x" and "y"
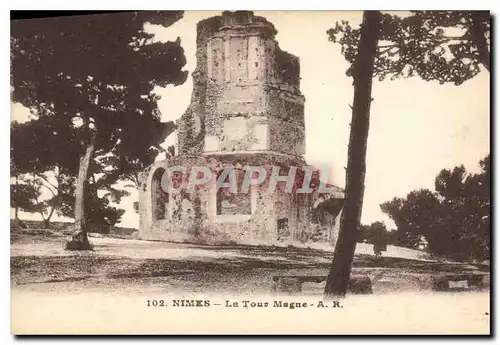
{"x": 243, "y": 79}
{"x": 192, "y": 216}
{"x": 191, "y": 125}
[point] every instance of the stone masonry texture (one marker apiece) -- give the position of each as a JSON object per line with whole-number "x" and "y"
{"x": 246, "y": 109}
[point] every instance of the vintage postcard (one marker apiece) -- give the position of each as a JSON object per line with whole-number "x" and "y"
{"x": 251, "y": 172}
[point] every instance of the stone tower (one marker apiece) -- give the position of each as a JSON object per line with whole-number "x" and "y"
{"x": 246, "y": 110}
{"x": 246, "y": 94}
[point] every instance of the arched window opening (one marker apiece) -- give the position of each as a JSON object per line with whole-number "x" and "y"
{"x": 159, "y": 198}
{"x": 234, "y": 202}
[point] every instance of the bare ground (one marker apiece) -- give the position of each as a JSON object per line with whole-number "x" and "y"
{"x": 105, "y": 291}
{"x": 40, "y": 264}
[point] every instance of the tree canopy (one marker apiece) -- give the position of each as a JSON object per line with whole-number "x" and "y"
{"x": 100, "y": 72}
{"x": 89, "y": 81}
{"x": 454, "y": 219}
{"x": 447, "y": 46}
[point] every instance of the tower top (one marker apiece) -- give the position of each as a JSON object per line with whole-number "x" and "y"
{"x": 246, "y": 91}
{"x": 236, "y": 22}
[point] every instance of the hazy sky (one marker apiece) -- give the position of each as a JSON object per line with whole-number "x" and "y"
{"x": 417, "y": 128}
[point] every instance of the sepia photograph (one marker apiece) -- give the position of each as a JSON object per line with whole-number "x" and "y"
{"x": 250, "y": 172}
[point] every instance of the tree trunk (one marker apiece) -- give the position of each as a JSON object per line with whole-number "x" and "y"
{"x": 18, "y": 221}
{"x": 16, "y": 208}
{"x": 46, "y": 222}
{"x": 340, "y": 270}
{"x": 80, "y": 240}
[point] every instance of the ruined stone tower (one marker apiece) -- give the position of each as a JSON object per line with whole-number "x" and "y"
{"x": 246, "y": 93}
{"x": 246, "y": 110}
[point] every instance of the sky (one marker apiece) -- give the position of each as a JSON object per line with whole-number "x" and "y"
{"x": 417, "y": 128}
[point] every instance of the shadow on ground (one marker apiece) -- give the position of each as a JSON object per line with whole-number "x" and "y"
{"x": 38, "y": 260}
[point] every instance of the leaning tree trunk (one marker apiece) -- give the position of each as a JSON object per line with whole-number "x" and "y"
{"x": 338, "y": 278}
{"x": 46, "y": 222}
{"x": 18, "y": 221}
{"x": 80, "y": 239}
